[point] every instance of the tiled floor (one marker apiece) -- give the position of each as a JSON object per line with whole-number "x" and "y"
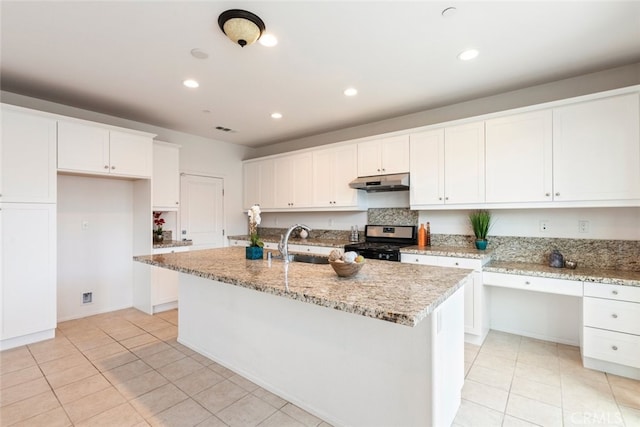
{"x": 126, "y": 369}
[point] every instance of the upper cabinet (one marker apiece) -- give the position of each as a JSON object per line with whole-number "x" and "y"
{"x": 293, "y": 177}
{"x": 519, "y": 158}
{"x": 165, "y": 181}
{"x": 596, "y": 150}
{"x": 333, "y": 169}
{"x": 27, "y": 157}
{"x": 259, "y": 184}
{"x": 447, "y": 166}
{"x": 85, "y": 148}
{"x": 384, "y": 156}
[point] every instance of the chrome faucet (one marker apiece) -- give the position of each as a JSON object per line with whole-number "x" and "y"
{"x": 283, "y": 246}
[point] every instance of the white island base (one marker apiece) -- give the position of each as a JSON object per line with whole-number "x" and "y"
{"x": 348, "y": 369}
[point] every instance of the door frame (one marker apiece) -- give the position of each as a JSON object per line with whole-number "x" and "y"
{"x": 224, "y": 211}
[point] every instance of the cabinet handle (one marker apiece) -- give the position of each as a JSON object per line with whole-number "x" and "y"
{"x": 615, "y": 316}
{"x": 446, "y": 198}
{"x": 177, "y": 203}
{"x": 106, "y": 166}
{"x": 457, "y": 263}
{"x": 527, "y": 282}
{"x": 557, "y": 194}
{"x": 439, "y": 198}
{"x": 378, "y": 170}
{"x": 113, "y": 167}
{"x": 417, "y": 260}
{"x": 614, "y": 347}
{"x": 384, "y": 170}
{"x": 547, "y": 194}
{"x": 614, "y": 292}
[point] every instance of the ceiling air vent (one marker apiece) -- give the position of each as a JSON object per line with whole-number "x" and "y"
{"x": 224, "y": 129}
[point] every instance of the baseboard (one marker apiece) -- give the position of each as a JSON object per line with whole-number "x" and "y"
{"x": 27, "y": 339}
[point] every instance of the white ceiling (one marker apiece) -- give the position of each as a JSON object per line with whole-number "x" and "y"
{"x": 129, "y": 58}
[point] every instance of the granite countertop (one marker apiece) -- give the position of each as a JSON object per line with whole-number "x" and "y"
{"x": 592, "y": 275}
{"x": 332, "y": 243}
{"x": 172, "y": 244}
{"x": 391, "y": 291}
{"x": 448, "y": 251}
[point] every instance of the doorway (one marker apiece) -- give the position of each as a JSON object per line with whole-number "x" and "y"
{"x": 202, "y": 210}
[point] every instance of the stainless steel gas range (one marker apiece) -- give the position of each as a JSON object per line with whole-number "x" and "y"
{"x": 384, "y": 241}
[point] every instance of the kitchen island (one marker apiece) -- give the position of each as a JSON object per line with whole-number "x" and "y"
{"x": 382, "y": 348}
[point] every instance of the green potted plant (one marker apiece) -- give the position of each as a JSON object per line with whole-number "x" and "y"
{"x": 480, "y": 223}
{"x": 254, "y": 250}
{"x": 158, "y": 237}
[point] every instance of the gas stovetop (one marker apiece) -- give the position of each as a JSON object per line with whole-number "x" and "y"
{"x": 384, "y": 241}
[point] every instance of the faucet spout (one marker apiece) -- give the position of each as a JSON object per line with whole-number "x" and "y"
{"x": 283, "y": 246}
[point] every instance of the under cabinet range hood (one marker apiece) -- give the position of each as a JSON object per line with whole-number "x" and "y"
{"x": 379, "y": 183}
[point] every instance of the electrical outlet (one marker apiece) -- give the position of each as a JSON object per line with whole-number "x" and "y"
{"x": 544, "y": 225}
{"x": 583, "y": 226}
{"x": 87, "y": 297}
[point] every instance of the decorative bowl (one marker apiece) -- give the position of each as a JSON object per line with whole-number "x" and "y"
{"x": 344, "y": 269}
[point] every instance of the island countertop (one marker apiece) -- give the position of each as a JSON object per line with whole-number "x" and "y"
{"x": 391, "y": 291}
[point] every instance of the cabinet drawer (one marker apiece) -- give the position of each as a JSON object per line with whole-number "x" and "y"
{"x": 320, "y": 250}
{"x": 617, "y": 292}
{"x": 532, "y": 283}
{"x": 613, "y": 315}
{"x": 611, "y": 346}
{"x": 419, "y": 259}
{"x": 474, "y": 264}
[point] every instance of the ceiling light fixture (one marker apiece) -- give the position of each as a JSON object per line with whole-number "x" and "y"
{"x": 468, "y": 54}
{"x": 276, "y": 115}
{"x": 190, "y": 83}
{"x": 350, "y": 91}
{"x": 240, "y": 26}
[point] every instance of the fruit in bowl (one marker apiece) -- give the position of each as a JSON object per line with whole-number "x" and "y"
{"x": 347, "y": 264}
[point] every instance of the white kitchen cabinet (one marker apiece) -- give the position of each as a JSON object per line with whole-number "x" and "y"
{"x": 293, "y": 181}
{"x": 27, "y": 272}
{"x": 596, "y": 150}
{"x": 165, "y": 181}
{"x": 259, "y": 184}
{"x": 534, "y": 283}
{"x": 519, "y": 158}
{"x": 333, "y": 169}
{"x": 91, "y": 149}
{"x": 27, "y": 157}
{"x": 611, "y": 333}
{"x": 384, "y": 156}
{"x": 476, "y": 324}
{"x": 447, "y": 166}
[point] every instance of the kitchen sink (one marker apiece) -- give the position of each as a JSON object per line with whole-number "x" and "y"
{"x": 310, "y": 259}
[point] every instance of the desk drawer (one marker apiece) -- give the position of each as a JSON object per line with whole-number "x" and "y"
{"x": 613, "y": 315}
{"x": 611, "y": 346}
{"x": 533, "y": 283}
{"x": 474, "y": 264}
{"x": 617, "y": 292}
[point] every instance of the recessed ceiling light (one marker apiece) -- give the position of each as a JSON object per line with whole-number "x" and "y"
{"x": 468, "y": 54}
{"x": 276, "y": 115}
{"x": 268, "y": 40}
{"x": 190, "y": 83}
{"x": 350, "y": 91}
{"x": 199, "y": 53}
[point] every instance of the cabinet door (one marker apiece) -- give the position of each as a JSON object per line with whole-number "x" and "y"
{"x": 345, "y": 169}
{"x": 166, "y": 176}
{"x": 130, "y": 155}
{"x": 596, "y": 153}
{"x": 282, "y": 182}
{"x": 323, "y": 178}
{"x": 302, "y": 176}
{"x": 464, "y": 163}
{"x": 27, "y": 268}
{"x": 519, "y": 163}
{"x": 369, "y": 158}
{"x": 251, "y": 184}
{"x": 259, "y": 184}
{"x": 427, "y": 168}
{"x": 395, "y": 154}
{"x": 164, "y": 286}
{"x": 83, "y": 148}
{"x": 27, "y": 158}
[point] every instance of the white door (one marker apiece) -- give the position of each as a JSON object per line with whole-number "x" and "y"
{"x": 201, "y": 212}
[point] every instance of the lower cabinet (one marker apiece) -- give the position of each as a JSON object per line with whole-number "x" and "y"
{"x": 611, "y": 332}
{"x": 476, "y": 325}
{"x": 27, "y": 272}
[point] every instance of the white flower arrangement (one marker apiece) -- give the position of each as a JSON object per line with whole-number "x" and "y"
{"x": 254, "y": 222}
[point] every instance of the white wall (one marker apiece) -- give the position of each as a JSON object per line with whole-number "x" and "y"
{"x": 99, "y": 258}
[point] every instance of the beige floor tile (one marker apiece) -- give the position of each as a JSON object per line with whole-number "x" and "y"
{"x": 15, "y": 359}
{"x": 180, "y": 368}
{"x": 199, "y": 380}
{"x": 158, "y": 400}
{"x": 628, "y": 383}
{"x": 584, "y": 373}
{"x": 181, "y": 348}
{"x": 170, "y": 316}
{"x": 537, "y": 391}
{"x": 541, "y": 360}
{"x": 492, "y": 361}
{"x": 138, "y": 340}
{"x": 55, "y": 353}
{"x": 104, "y": 351}
{"x": 272, "y": 399}
{"x": 166, "y": 333}
{"x": 485, "y": 395}
{"x": 467, "y": 368}
{"x": 122, "y": 416}
{"x": 54, "y": 418}
{"x": 82, "y": 388}
{"x": 204, "y": 360}
{"x": 473, "y": 415}
{"x": 216, "y": 367}
{"x": 185, "y": 413}
{"x": 46, "y": 346}
{"x": 20, "y": 376}
{"x": 498, "y": 379}
{"x": 63, "y": 363}
{"x": 248, "y": 411}
{"x": 23, "y": 391}
{"x": 594, "y": 418}
{"x": 630, "y": 416}
{"x": 538, "y": 373}
{"x": 149, "y": 349}
{"x": 98, "y": 341}
{"x": 141, "y": 385}
{"x": 114, "y": 360}
{"x": 219, "y": 396}
{"x": 301, "y": 415}
{"x": 280, "y": 419}
{"x": 93, "y": 404}
{"x": 534, "y": 411}
{"x": 542, "y": 348}
{"x": 71, "y": 375}
{"x": 126, "y": 372}
{"x": 160, "y": 359}
{"x": 505, "y": 353}
{"x": 626, "y": 396}
{"x": 153, "y": 324}
{"x": 510, "y": 421}
{"x": 243, "y": 382}
{"x": 28, "y": 408}
{"x": 212, "y": 421}
{"x": 125, "y": 333}
{"x": 469, "y": 355}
